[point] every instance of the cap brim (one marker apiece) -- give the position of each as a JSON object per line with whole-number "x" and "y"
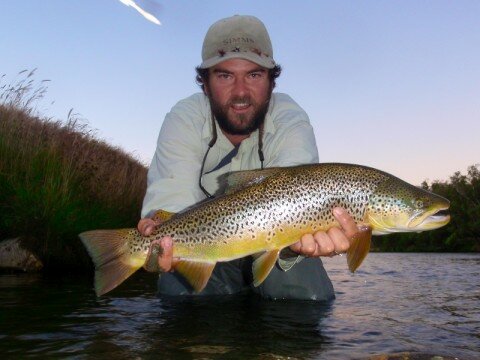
{"x": 264, "y": 61}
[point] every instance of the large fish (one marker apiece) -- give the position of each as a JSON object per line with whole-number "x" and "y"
{"x": 265, "y": 211}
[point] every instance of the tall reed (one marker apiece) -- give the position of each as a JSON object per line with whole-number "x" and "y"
{"x": 57, "y": 180}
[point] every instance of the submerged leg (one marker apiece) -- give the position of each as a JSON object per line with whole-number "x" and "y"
{"x": 227, "y": 278}
{"x": 306, "y": 280}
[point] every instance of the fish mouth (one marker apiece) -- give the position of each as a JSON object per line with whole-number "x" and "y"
{"x": 429, "y": 220}
{"x": 416, "y": 222}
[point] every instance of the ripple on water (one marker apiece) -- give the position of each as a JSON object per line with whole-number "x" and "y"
{"x": 395, "y": 303}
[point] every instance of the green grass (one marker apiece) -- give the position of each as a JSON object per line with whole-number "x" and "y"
{"x": 57, "y": 180}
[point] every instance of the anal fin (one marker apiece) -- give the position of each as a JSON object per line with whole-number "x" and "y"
{"x": 262, "y": 266}
{"x": 359, "y": 247}
{"x": 196, "y": 273}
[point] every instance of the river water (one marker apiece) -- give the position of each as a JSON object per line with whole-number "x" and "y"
{"x": 395, "y": 303}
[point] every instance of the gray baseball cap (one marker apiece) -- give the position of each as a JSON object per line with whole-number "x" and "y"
{"x": 239, "y": 36}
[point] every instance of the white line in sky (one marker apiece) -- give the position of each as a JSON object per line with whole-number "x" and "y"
{"x": 145, "y": 14}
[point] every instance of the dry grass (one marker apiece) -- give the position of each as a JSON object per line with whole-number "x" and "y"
{"x": 57, "y": 180}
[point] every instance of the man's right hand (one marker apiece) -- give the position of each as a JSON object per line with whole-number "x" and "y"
{"x": 146, "y": 226}
{"x": 166, "y": 262}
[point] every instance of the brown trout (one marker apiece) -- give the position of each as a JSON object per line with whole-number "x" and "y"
{"x": 264, "y": 211}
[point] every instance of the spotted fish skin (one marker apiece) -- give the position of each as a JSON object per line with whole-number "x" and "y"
{"x": 295, "y": 200}
{"x": 273, "y": 211}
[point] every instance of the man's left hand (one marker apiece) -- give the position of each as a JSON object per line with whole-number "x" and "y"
{"x": 331, "y": 242}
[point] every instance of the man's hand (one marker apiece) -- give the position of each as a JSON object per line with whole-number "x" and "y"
{"x": 166, "y": 262}
{"x": 334, "y": 241}
{"x": 146, "y": 226}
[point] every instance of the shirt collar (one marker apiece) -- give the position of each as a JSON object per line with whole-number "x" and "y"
{"x": 207, "y": 130}
{"x": 269, "y": 126}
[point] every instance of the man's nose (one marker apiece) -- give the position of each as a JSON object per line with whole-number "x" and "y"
{"x": 240, "y": 87}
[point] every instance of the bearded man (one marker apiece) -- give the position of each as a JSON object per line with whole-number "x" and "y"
{"x": 238, "y": 123}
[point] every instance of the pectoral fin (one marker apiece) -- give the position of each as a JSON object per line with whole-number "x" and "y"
{"x": 263, "y": 265}
{"x": 196, "y": 273}
{"x": 359, "y": 247}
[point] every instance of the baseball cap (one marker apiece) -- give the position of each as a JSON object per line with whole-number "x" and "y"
{"x": 239, "y": 36}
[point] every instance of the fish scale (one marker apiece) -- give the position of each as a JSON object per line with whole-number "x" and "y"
{"x": 266, "y": 211}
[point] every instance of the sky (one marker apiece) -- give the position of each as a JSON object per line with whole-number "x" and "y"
{"x": 390, "y": 84}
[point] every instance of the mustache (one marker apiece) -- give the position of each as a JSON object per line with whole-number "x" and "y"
{"x": 247, "y": 100}
{"x": 241, "y": 100}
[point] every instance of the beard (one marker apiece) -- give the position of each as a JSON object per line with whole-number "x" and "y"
{"x": 242, "y": 124}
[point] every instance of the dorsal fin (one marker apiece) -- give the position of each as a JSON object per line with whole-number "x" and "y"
{"x": 239, "y": 180}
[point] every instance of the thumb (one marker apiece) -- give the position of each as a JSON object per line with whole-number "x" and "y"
{"x": 347, "y": 223}
{"x": 165, "y": 258}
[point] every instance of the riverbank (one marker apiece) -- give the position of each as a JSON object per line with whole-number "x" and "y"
{"x": 57, "y": 180}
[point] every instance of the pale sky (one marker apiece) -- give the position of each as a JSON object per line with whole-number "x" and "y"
{"x": 390, "y": 84}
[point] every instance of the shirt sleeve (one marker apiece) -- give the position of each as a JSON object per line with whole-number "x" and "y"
{"x": 170, "y": 184}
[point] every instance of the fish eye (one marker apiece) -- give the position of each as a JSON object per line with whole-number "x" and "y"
{"x": 418, "y": 203}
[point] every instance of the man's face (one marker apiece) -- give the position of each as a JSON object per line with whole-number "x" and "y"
{"x": 239, "y": 92}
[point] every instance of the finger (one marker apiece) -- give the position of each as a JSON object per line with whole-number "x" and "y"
{"x": 297, "y": 247}
{"x": 325, "y": 245}
{"x": 346, "y": 221}
{"x": 339, "y": 239}
{"x": 141, "y": 225}
{"x": 165, "y": 258}
{"x": 146, "y": 226}
{"x": 308, "y": 245}
{"x": 149, "y": 229}
{"x": 305, "y": 246}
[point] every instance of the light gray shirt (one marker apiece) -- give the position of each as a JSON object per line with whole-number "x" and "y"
{"x": 183, "y": 140}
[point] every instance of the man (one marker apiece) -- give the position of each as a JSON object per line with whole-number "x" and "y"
{"x": 238, "y": 123}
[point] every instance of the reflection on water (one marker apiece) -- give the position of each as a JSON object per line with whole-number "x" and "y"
{"x": 425, "y": 303}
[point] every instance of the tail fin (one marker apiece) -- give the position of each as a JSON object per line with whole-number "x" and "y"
{"x": 111, "y": 256}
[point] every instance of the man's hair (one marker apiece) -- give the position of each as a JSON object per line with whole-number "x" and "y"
{"x": 202, "y": 76}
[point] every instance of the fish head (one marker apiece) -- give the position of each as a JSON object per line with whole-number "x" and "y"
{"x": 397, "y": 206}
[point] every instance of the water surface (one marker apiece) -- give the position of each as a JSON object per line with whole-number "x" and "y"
{"x": 418, "y": 303}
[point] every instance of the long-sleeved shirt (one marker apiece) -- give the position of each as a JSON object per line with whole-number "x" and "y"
{"x": 173, "y": 175}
